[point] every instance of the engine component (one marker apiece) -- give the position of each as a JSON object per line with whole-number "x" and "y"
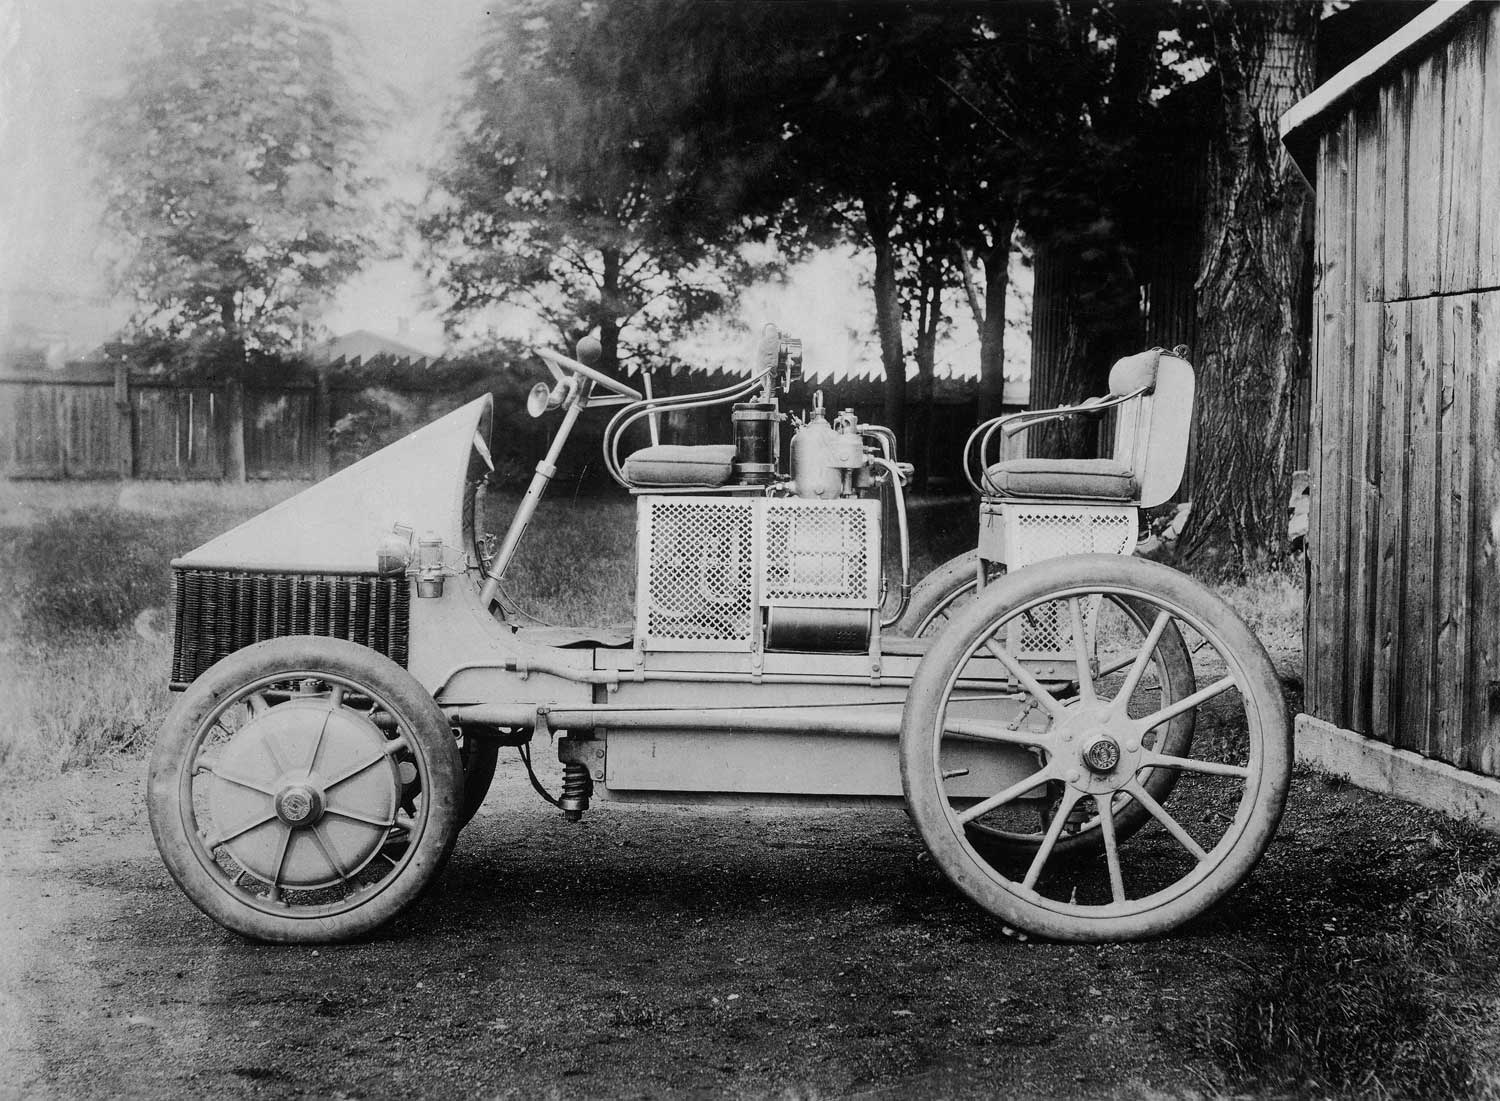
{"x": 430, "y": 566}
{"x": 815, "y": 473}
{"x": 755, "y": 442}
{"x": 826, "y": 630}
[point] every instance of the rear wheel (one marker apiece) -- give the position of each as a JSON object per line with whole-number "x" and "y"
{"x": 944, "y": 593}
{"x": 1078, "y": 636}
{"x": 305, "y": 790}
{"x": 941, "y": 594}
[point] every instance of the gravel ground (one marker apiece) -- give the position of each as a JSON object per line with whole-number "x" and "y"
{"x": 651, "y": 952}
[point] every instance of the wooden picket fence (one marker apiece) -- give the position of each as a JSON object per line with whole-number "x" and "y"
{"x": 94, "y": 420}
{"x": 99, "y": 421}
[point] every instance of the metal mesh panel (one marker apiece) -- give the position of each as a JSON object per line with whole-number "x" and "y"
{"x": 1038, "y": 532}
{"x": 697, "y": 574}
{"x": 821, "y": 554}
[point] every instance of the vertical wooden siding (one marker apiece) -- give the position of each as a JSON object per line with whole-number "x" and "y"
{"x": 1403, "y": 627}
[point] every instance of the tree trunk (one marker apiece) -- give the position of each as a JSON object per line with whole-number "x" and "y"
{"x": 609, "y": 312}
{"x": 996, "y": 260}
{"x": 888, "y": 311}
{"x": 930, "y": 318}
{"x": 1252, "y": 279}
{"x": 1084, "y": 317}
{"x": 236, "y": 468}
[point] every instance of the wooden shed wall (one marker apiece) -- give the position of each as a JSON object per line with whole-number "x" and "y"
{"x": 1403, "y": 627}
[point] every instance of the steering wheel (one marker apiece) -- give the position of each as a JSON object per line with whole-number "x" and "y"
{"x": 559, "y": 363}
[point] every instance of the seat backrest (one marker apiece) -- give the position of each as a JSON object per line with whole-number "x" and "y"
{"x": 1151, "y": 431}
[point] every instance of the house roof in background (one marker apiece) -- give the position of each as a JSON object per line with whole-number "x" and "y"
{"x": 363, "y": 344}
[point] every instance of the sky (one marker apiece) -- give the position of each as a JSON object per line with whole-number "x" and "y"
{"x": 58, "y": 56}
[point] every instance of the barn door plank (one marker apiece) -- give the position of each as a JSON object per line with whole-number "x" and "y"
{"x": 1391, "y": 544}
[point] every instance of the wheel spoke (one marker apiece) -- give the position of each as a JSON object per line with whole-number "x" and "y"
{"x": 312, "y": 758}
{"x": 1187, "y": 703}
{"x": 1054, "y": 831}
{"x": 257, "y": 702}
{"x": 1192, "y": 764}
{"x": 216, "y": 771}
{"x": 1024, "y": 678}
{"x": 276, "y": 760}
{"x": 229, "y": 835}
{"x": 1142, "y": 659}
{"x": 1015, "y": 791}
{"x": 366, "y": 819}
{"x": 389, "y": 750}
{"x": 335, "y": 696}
{"x": 328, "y": 855}
{"x": 286, "y": 845}
{"x": 1171, "y": 824}
{"x": 1080, "y": 653}
{"x": 1106, "y": 805}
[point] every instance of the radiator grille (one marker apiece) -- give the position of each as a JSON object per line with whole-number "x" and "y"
{"x": 221, "y": 611}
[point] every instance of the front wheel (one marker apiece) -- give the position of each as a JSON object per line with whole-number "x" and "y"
{"x": 305, "y": 790}
{"x": 1077, "y": 636}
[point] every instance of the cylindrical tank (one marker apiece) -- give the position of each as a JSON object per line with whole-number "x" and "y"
{"x": 823, "y": 630}
{"x": 755, "y": 442}
{"x": 814, "y": 473}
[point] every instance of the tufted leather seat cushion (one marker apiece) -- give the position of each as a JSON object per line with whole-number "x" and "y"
{"x": 675, "y": 466}
{"x": 1094, "y": 478}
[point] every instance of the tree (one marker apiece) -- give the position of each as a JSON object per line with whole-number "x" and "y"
{"x": 593, "y": 180}
{"x": 230, "y": 166}
{"x": 1252, "y": 282}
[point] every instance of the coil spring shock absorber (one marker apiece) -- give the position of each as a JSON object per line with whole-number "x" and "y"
{"x": 577, "y": 787}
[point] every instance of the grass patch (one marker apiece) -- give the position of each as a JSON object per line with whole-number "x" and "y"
{"x": 71, "y": 701}
{"x": 1408, "y": 1009}
{"x": 85, "y": 560}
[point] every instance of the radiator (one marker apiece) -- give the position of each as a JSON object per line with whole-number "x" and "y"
{"x": 221, "y": 611}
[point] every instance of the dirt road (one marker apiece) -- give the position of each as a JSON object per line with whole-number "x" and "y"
{"x": 643, "y": 952}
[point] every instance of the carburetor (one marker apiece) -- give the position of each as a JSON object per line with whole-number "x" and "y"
{"x": 829, "y": 461}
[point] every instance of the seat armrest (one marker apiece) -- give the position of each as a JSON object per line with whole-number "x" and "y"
{"x": 1012, "y": 423}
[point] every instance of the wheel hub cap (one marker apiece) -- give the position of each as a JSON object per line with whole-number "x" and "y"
{"x": 1102, "y": 754}
{"x": 299, "y": 805}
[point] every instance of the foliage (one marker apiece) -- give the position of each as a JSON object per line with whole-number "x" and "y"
{"x": 230, "y": 167}
{"x": 1401, "y": 1010}
{"x": 585, "y": 180}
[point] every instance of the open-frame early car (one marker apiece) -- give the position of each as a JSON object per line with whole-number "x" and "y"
{"x": 1091, "y": 746}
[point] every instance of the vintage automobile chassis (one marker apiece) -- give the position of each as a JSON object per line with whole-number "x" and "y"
{"x": 314, "y": 776}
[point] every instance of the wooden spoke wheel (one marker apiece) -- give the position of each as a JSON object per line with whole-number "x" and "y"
{"x": 305, "y": 790}
{"x": 1101, "y": 651}
{"x": 950, "y": 588}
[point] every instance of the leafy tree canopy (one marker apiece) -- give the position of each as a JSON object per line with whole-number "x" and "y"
{"x": 230, "y": 165}
{"x": 597, "y": 179}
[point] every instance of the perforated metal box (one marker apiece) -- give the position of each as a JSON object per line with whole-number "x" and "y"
{"x": 820, "y": 554}
{"x": 708, "y": 565}
{"x": 1020, "y": 533}
{"x": 696, "y": 587}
